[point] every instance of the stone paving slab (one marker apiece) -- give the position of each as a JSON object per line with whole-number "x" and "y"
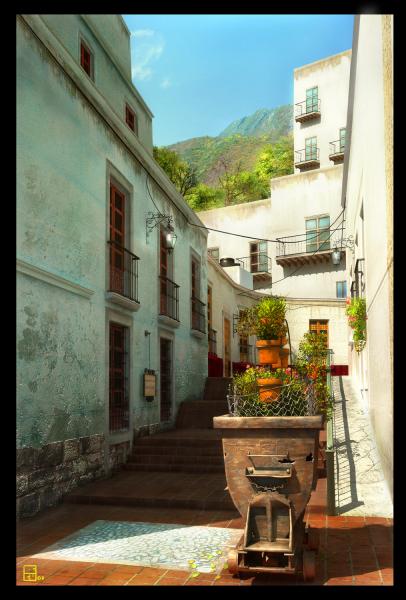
{"x": 361, "y": 489}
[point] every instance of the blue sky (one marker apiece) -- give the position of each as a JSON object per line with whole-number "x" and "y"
{"x": 198, "y": 73}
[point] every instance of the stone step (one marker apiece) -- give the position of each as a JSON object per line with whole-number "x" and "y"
{"x": 199, "y": 413}
{"x": 203, "y": 491}
{"x": 174, "y": 468}
{"x": 162, "y": 459}
{"x": 214, "y": 450}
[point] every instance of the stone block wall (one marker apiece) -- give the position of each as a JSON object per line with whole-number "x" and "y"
{"x": 46, "y": 474}
{"x": 118, "y": 456}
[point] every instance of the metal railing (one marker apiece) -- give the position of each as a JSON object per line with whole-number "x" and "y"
{"x": 310, "y": 242}
{"x": 198, "y": 315}
{"x": 306, "y": 107}
{"x": 123, "y": 278}
{"x": 330, "y": 444}
{"x": 297, "y": 244}
{"x": 212, "y": 335}
{"x": 169, "y": 298}
{"x": 337, "y": 147}
{"x": 305, "y": 155}
{"x": 258, "y": 262}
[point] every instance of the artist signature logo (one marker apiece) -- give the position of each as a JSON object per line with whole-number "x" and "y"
{"x": 30, "y": 573}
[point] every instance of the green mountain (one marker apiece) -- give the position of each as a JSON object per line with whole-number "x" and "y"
{"x": 240, "y": 143}
{"x": 277, "y": 122}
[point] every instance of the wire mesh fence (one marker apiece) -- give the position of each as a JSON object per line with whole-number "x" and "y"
{"x": 294, "y": 399}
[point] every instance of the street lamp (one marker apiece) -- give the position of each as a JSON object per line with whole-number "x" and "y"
{"x": 170, "y": 237}
{"x": 338, "y": 246}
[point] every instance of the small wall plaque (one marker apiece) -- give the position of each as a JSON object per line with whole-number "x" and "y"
{"x": 149, "y": 384}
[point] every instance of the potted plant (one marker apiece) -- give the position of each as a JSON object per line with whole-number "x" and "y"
{"x": 266, "y": 320}
{"x": 357, "y": 320}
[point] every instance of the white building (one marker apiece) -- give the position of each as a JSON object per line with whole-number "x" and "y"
{"x": 367, "y": 196}
{"x": 288, "y": 239}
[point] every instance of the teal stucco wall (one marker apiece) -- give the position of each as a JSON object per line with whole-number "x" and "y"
{"x": 65, "y": 156}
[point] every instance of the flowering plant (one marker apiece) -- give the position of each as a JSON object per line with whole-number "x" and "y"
{"x": 357, "y": 320}
{"x": 266, "y": 319}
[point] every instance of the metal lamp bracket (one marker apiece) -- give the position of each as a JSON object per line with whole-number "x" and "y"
{"x": 155, "y": 219}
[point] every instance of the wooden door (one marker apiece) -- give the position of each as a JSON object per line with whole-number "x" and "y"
{"x": 227, "y": 344}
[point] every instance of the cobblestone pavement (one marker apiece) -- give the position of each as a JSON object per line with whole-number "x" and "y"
{"x": 361, "y": 489}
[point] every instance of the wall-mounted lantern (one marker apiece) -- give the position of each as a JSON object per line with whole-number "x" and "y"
{"x": 338, "y": 246}
{"x": 155, "y": 219}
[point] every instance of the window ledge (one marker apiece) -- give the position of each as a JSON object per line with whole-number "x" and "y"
{"x": 198, "y": 334}
{"x": 165, "y": 320}
{"x": 123, "y": 301}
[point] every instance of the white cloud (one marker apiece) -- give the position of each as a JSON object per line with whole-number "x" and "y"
{"x": 165, "y": 83}
{"x": 138, "y": 33}
{"x": 147, "y": 47}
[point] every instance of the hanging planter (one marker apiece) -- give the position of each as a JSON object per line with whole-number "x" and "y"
{"x": 357, "y": 320}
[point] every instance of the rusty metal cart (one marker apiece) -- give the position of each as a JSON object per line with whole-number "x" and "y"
{"x": 271, "y": 470}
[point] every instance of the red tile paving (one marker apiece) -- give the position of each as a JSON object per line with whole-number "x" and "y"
{"x": 353, "y": 550}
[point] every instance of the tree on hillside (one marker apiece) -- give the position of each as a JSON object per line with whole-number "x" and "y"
{"x": 276, "y": 159}
{"x": 204, "y": 197}
{"x": 240, "y": 186}
{"x": 181, "y": 174}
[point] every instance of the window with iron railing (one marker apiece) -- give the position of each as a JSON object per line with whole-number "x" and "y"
{"x": 317, "y": 233}
{"x": 312, "y": 99}
{"x": 123, "y": 275}
{"x": 311, "y": 148}
{"x": 245, "y": 349}
{"x": 119, "y": 413}
{"x": 197, "y": 306}
{"x": 212, "y": 335}
{"x": 168, "y": 289}
{"x": 258, "y": 257}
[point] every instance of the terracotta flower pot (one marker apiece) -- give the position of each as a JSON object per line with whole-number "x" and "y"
{"x": 268, "y": 351}
{"x": 284, "y": 354}
{"x": 269, "y": 389}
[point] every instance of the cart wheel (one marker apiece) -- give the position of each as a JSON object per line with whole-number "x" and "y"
{"x": 309, "y": 565}
{"x": 232, "y": 562}
{"x": 313, "y": 539}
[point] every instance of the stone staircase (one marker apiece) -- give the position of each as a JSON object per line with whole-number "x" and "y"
{"x": 182, "y": 467}
{"x": 193, "y": 447}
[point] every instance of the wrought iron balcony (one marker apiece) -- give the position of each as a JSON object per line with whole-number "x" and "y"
{"x": 307, "y": 110}
{"x": 258, "y": 263}
{"x": 169, "y": 298}
{"x": 212, "y": 335}
{"x": 337, "y": 151}
{"x": 198, "y": 315}
{"x": 307, "y": 158}
{"x": 123, "y": 278}
{"x": 301, "y": 249}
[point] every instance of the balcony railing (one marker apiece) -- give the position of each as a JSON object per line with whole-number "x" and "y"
{"x": 198, "y": 315}
{"x": 308, "y": 109}
{"x": 123, "y": 271}
{"x": 256, "y": 263}
{"x": 169, "y": 298}
{"x": 212, "y": 335}
{"x": 337, "y": 150}
{"x": 307, "y": 157}
{"x": 302, "y": 244}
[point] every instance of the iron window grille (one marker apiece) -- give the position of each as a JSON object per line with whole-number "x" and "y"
{"x": 119, "y": 413}
{"x": 169, "y": 298}
{"x": 123, "y": 271}
{"x": 198, "y": 315}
